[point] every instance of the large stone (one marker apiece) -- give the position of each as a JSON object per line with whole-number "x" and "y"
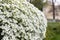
{"x": 20, "y": 20}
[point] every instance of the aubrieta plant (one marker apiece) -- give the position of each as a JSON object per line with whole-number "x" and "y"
{"x": 20, "y": 20}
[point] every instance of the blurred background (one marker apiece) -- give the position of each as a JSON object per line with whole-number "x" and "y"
{"x": 51, "y": 9}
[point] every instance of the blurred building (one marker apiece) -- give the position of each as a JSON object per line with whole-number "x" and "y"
{"x": 48, "y": 10}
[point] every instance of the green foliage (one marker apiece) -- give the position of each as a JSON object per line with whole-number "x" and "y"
{"x": 53, "y": 31}
{"x": 38, "y": 3}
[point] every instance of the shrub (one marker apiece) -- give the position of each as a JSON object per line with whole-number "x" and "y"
{"x": 20, "y": 20}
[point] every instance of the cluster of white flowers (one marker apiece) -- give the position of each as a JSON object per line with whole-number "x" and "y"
{"x": 20, "y": 20}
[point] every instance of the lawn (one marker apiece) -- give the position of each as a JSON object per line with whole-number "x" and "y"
{"x": 53, "y": 31}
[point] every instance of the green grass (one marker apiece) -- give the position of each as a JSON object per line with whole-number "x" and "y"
{"x": 53, "y": 31}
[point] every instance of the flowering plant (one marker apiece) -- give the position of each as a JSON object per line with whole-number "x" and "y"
{"x": 20, "y": 20}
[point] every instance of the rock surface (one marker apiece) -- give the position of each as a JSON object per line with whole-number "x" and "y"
{"x": 20, "y": 20}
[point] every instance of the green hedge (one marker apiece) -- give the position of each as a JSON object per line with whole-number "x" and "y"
{"x": 53, "y": 31}
{"x": 39, "y": 3}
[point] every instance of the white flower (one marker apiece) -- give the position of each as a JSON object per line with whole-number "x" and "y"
{"x": 20, "y": 20}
